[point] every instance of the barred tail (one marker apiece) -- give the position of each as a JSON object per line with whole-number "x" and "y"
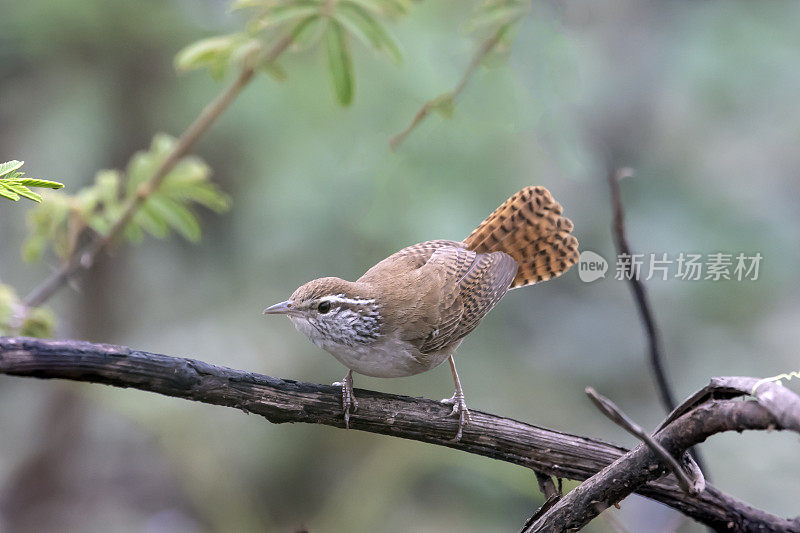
{"x": 530, "y": 228}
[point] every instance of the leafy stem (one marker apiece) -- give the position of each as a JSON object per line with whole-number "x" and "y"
{"x": 14, "y": 185}
{"x": 83, "y": 258}
{"x": 444, "y": 102}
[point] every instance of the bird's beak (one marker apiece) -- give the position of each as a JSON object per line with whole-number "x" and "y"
{"x": 283, "y": 308}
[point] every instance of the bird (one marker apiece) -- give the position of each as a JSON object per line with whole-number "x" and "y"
{"x": 411, "y": 311}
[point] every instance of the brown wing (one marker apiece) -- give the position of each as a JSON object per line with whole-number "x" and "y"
{"x": 407, "y": 259}
{"x": 478, "y": 281}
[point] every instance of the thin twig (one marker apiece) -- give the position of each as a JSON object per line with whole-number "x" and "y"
{"x": 615, "y": 175}
{"x": 486, "y": 47}
{"x": 639, "y": 292}
{"x": 84, "y": 258}
{"x": 692, "y": 484}
{"x": 550, "y": 492}
{"x": 551, "y": 452}
{"x": 634, "y": 469}
{"x": 547, "y": 486}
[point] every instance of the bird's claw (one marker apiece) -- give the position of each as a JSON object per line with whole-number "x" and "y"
{"x": 459, "y": 409}
{"x": 348, "y": 398}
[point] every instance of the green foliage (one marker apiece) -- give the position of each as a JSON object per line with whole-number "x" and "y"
{"x": 168, "y": 208}
{"x": 493, "y": 14}
{"x": 311, "y": 24}
{"x": 340, "y": 63}
{"x": 13, "y": 184}
{"x": 361, "y": 23}
{"x": 36, "y": 322}
{"x": 215, "y": 53}
{"x": 61, "y": 222}
{"x": 443, "y": 104}
{"x": 499, "y": 19}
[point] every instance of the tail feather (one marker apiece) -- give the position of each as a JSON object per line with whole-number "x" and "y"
{"x": 529, "y": 227}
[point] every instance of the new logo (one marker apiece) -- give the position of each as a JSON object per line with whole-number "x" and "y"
{"x": 591, "y": 266}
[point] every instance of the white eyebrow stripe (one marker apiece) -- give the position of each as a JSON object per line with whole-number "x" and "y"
{"x": 340, "y": 299}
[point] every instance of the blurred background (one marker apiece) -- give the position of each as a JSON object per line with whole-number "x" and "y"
{"x": 700, "y": 98}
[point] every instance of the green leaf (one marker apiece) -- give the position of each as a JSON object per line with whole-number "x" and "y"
{"x": 243, "y": 4}
{"x": 33, "y": 248}
{"x": 363, "y": 25}
{"x": 205, "y": 194}
{"x": 48, "y": 224}
{"x": 247, "y": 53}
{"x": 161, "y": 145}
{"x": 6, "y": 192}
{"x": 308, "y": 32}
{"x": 212, "y": 53}
{"x": 14, "y": 186}
{"x": 10, "y": 166}
{"x": 22, "y": 190}
{"x": 40, "y": 323}
{"x": 134, "y": 233}
{"x": 389, "y": 8}
{"x": 106, "y": 186}
{"x": 179, "y": 217}
{"x": 143, "y": 164}
{"x": 340, "y": 63}
{"x": 8, "y": 301}
{"x": 281, "y": 14}
{"x": 151, "y": 221}
{"x": 33, "y": 182}
{"x": 275, "y": 71}
{"x": 497, "y": 15}
{"x": 443, "y": 104}
{"x": 99, "y": 223}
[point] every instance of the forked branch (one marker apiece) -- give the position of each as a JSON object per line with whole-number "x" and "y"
{"x": 712, "y": 410}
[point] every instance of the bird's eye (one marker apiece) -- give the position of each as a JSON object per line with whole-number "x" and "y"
{"x": 324, "y": 307}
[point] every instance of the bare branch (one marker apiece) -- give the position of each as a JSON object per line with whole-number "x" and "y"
{"x": 642, "y": 301}
{"x": 642, "y": 464}
{"x": 84, "y": 258}
{"x": 486, "y": 47}
{"x": 693, "y": 483}
{"x": 639, "y": 292}
{"x": 551, "y": 494}
{"x": 547, "y": 486}
{"x": 780, "y": 401}
{"x": 551, "y": 452}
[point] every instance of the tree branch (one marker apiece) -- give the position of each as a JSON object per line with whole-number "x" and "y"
{"x": 691, "y": 482}
{"x": 642, "y": 302}
{"x": 639, "y": 292}
{"x": 547, "y": 451}
{"x": 700, "y": 417}
{"x": 486, "y": 47}
{"x": 84, "y": 258}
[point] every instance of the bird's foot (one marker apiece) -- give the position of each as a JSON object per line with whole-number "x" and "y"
{"x": 348, "y": 397}
{"x": 459, "y": 409}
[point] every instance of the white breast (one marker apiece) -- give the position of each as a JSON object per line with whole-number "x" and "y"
{"x": 387, "y": 357}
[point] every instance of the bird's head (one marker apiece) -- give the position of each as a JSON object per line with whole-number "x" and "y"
{"x": 332, "y": 311}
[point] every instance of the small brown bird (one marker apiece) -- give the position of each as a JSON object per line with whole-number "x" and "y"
{"x": 410, "y": 312}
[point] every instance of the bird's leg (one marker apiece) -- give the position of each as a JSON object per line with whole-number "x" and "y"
{"x": 348, "y": 398}
{"x": 458, "y": 402}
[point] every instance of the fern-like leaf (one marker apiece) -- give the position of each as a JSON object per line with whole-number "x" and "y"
{"x": 13, "y": 184}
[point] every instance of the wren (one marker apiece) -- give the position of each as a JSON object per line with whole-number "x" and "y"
{"x": 410, "y": 312}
